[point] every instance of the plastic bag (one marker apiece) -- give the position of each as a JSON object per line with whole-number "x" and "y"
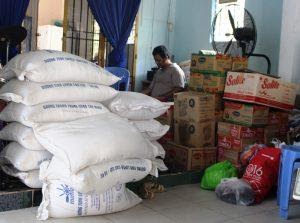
{"x": 215, "y": 173}
{"x": 235, "y": 191}
{"x": 262, "y": 172}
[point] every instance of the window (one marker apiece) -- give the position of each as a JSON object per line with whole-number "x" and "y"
{"x": 223, "y": 23}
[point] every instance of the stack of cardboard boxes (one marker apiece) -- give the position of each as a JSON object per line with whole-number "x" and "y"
{"x": 249, "y": 113}
{"x": 208, "y": 74}
{"x": 194, "y": 132}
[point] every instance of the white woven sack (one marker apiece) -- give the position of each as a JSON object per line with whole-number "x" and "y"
{"x": 101, "y": 177}
{"x": 21, "y": 134}
{"x": 160, "y": 148}
{"x": 23, "y": 159}
{"x": 31, "y": 93}
{"x": 29, "y": 178}
{"x": 136, "y": 106}
{"x": 62, "y": 201}
{"x": 49, "y": 66}
{"x": 151, "y": 129}
{"x": 50, "y": 112}
{"x": 94, "y": 140}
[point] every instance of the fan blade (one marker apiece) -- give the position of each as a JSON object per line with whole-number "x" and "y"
{"x": 228, "y": 46}
{"x": 231, "y": 20}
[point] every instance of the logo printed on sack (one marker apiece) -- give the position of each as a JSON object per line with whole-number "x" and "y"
{"x": 235, "y": 81}
{"x": 68, "y": 192}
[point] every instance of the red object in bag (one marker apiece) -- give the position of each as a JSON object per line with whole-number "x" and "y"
{"x": 262, "y": 172}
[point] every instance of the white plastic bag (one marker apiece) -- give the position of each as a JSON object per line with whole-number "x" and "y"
{"x": 29, "y": 178}
{"x": 151, "y": 129}
{"x": 21, "y": 134}
{"x": 235, "y": 191}
{"x": 49, "y": 66}
{"x": 50, "y": 112}
{"x": 161, "y": 151}
{"x": 23, "y": 159}
{"x": 62, "y": 201}
{"x": 31, "y": 93}
{"x": 136, "y": 106}
{"x": 101, "y": 177}
{"x": 94, "y": 140}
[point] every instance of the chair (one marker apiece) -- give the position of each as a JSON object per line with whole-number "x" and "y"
{"x": 123, "y": 84}
{"x": 290, "y": 162}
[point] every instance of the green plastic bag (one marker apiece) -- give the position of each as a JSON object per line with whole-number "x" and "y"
{"x": 215, "y": 173}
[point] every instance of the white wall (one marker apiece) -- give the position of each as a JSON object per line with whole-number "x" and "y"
{"x": 156, "y": 24}
{"x": 192, "y": 27}
{"x": 267, "y": 16}
{"x": 289, "y": 56}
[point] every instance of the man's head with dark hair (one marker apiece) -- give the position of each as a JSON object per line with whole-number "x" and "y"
{"x": 161, "y": 56}
{"x": 161, "y": 51}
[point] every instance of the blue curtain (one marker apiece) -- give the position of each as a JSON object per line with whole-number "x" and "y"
{"x": 115, "y": 18}
{"x": 12, "y": 13}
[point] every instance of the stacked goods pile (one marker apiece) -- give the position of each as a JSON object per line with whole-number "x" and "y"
{"x": 58, "y": 124}
{"x": 208, "y": 74}
{"x": 194, "y": 129}
{"x": 257, "y": 110}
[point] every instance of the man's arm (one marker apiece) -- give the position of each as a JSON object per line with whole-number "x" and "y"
{"x": 148, "y": 90}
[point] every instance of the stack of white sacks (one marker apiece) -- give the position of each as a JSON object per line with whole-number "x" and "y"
{"x": 66, "y": 141}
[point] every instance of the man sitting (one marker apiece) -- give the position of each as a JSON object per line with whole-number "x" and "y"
{"x": 168, "y": 79}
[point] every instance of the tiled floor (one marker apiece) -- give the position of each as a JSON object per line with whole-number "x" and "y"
{"x": 182, "y": 204}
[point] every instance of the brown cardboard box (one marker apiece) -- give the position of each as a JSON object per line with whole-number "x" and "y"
{"x": 219, "y": 116}
{"x": 246, "y": 114}
{"x": 194, "y": 106}
{"x": 230, "y": 155}
{"x": 185, "y": 158}
{"x": 239, "y": 131}
{"x": 211, "y": 82}
{"x": 239, "y": 63}
{"x": 238, "y": 145}
{"x": 209, "y": 61}
{"x": 196, "y": 82}
{"x": 260, "y": 89}
{"x": 278, "y": 117}
{"x": 194, "y": 134}
{"x": 219, "y": 102}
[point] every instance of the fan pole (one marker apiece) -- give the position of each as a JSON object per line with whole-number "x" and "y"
{"x": 264, "y": 56}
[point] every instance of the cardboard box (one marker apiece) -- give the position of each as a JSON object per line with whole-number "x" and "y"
{"x": 239, "y": 63}
{"x": 260, "y": 89}
{"x": 196, "y": 82}
{"x": 209, "y": 61}
{"x": 246, "y": 114}
{"x": 212, "y": 82}
{"x": 219, "y": 102}
{"x": 185, "y": 158}
{"x": 231, "y": 143}
{"x": 239, "y": 131}
{"x": 194, "y": 106}
{"x": 219, "y": 116}
{"x": 278, "y": 117}
{"x": 194, "y": 134}
{"x": 230, "y": 155}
